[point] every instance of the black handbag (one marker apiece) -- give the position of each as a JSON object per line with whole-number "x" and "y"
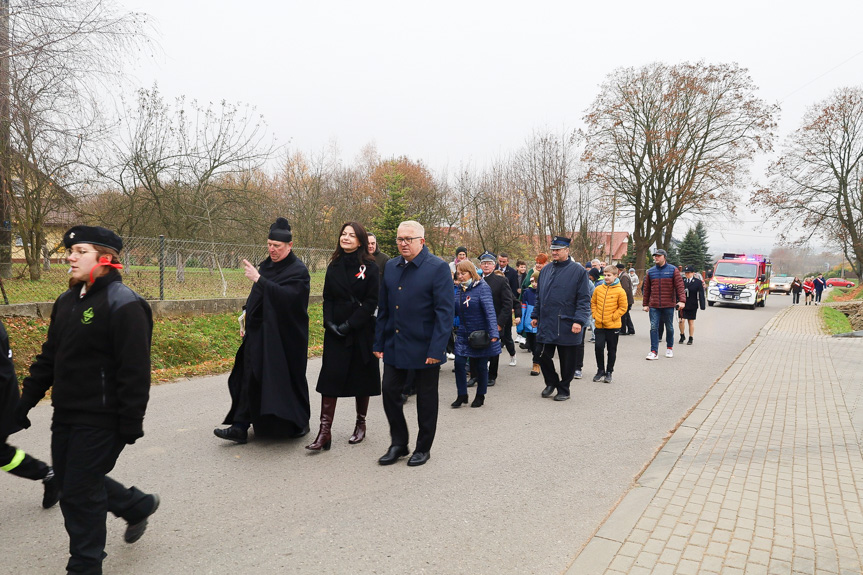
{"x": 479, "y": 339}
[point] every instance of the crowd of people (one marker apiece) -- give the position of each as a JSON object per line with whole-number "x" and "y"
{"x": 812, "y": 288}
{"x": 390, "y": 324}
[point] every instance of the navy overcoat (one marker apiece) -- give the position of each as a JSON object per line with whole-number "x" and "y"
{"x": 562, "y": 299}
{"x": 415, "y": 311}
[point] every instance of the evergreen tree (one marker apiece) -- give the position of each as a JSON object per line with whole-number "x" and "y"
{"x": 705, "y": 260}
{"x": 673, "y": 255}
{"x": 391, "y": 213}
{"x": 629, "y": 258}
{"x": 690, "y": 250}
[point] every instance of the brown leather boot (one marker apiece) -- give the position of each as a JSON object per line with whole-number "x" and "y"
{"x": 535, "y": 369}
{"x": 324, "y": 438}
{"x": 360, "y": 429}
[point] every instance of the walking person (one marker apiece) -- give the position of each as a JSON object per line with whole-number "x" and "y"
{"x": 477, "y": 338}
{"x": 503, "y": 309}
{"x": 381, "y": 258}
{"x": 626, "y": 325}
{"x": 562, "y": 310}
{"x": 96, "y": 360}
{"x": 415, "y": 315}
{"x": 528, "y": 331}
{"x": 796, "y": 288}
{"x": 695, "y": 299}
{"x": 460, "y": 256}
{"x": 12, "y": 459}
{"x": 511, "y": 276}
{"x": 608, "y": 303}
{"x": 633, "y": 277}
{"x": 819, "y": 283}
{"x": 663, "y": 291}
{"x": 348, "y": 367}
{"x": 809, "y": 290}
{"x": 268, "y": 384}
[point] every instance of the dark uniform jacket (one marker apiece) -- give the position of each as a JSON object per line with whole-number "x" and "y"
{"x": 96, "y": 358}
{"x": 415, "y": 311}
{"x": 501, "y": 294}
{"x": 694, "y": 293}
{"x": 562, "y": 299}
{"x": 349, "y": 368}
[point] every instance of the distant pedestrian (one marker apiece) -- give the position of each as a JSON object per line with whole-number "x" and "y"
{"x": 626, "y": 325}
{"x": 503, "y": 309}
{"x": 348, "y": 367}
{"x": 809, "y": 290}
{"x": 561, "y": 312}
{"x": 477, "y": 338}
{"x": 540, "y": 261}
{"x": 381, "y": 258}
{"x": 607, "y": 304}
{"x": 528, "y": 331}
{"x": 796, "y": 288}
{"x": 511, "y": 276}
{"x": 819, "y": 285}
{"x": 695, "y": 299}
{"x": 460, "y": 256}
{"x": 415, "y": 316}
{"x": 663, "y": 291}
{"x": 633, "y": 277}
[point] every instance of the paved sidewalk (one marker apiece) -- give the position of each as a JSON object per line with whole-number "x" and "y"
{"x": 765, "y": 475}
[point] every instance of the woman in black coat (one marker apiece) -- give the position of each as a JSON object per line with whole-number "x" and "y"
{"x": 349, "y": 369}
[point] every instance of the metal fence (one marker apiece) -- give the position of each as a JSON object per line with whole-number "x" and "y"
{"x": 162, "y": 268}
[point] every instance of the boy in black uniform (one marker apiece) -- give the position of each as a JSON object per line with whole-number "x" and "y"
{"x": 97, "y": 359}
{"x": 14, "y": 460}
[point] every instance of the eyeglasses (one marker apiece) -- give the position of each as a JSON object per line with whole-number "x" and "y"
{"x": 79, "y": 252}
{"x": 407, "y": 240}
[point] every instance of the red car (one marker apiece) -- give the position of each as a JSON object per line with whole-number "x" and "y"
{"x": 839, "y": 282}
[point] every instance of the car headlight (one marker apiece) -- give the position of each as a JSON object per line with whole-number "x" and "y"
{"x": 750, "y": 285}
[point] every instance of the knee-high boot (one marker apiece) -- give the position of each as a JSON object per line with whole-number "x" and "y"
{"x": 360, "y": 429}
{"x": 328, "y": 411}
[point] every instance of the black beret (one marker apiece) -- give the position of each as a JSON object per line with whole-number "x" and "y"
{"x": 594, "y": 274}
{"x": 461, "y": 250}
{"x": 280, "y": 231}
{"x": 94, "y": 235}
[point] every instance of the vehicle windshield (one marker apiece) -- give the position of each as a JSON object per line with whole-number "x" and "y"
{"x": 737, "y": 270}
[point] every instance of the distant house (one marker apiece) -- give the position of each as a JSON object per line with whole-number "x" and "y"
{"x": 610, "y": 247}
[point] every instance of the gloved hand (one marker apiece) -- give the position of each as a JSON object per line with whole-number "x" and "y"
{"x": 21, "y": 418}
{"x": 344, "y": 328}
{"x": 332, "y": 327}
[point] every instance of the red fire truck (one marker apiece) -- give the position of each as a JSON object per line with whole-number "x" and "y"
{"x": 740, "y": 279}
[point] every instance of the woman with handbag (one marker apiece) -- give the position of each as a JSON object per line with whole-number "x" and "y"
{"x": 348, "y": 367}
{"x": 477, "y": 337}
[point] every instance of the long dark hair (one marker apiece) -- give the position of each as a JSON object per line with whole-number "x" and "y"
{"x": 363, "y": 238}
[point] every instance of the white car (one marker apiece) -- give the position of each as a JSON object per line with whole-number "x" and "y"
{"x": 781, "y": 284}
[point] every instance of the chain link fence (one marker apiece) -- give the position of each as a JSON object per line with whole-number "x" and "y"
{"x": 162, "y": 268}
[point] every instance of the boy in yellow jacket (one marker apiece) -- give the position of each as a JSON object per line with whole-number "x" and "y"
{"x": 607, "y": 304}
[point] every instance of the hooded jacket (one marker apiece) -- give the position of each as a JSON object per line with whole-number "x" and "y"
{"x": 608, "y": 304}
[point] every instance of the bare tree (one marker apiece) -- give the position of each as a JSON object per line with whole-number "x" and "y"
{"x": 668, "y": 140}
{"x": 817, "y": 183}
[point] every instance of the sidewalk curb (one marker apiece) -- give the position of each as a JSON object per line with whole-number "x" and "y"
{"x": 597, "y": 554}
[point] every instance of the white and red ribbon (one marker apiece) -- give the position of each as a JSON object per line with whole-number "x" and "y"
{"x": 362, "y": 274}
{"x": 467, "y": 301}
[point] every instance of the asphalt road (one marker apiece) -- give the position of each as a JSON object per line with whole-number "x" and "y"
{"x": 516, "y": 486}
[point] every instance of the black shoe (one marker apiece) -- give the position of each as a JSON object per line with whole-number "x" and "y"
{"x": 418, "y": 458}
{"x": 51, "y": 486}
{"x": 134, "y": 532}
{"x": 682, "y": 338}
{"x": 235, "y": 434}
{"x": 301, "y": 433}
{"x": 393, "y": 454}
{"x": 471, "y": 382}
{"x": 599, "y": 375}
{"x": 461, "y": 399}
{"x": 561, "y": 396}
{"x": 522, "y": 346}
{"x": 608, "y": 377}
{"x": 690, "y": 341}
{"x": 477, "y": 401}
{"x": 404, "y": 399}
{"x": 549, "y": 389}
{"x": 491, "y": 382}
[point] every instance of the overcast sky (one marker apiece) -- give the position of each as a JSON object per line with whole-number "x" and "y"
{"x": 450, "y": 82}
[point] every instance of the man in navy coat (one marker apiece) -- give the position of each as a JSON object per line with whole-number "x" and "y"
{"x": 415, "y": 314}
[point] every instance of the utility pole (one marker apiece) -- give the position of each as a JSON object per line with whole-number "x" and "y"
{"x": 5, "y": 152}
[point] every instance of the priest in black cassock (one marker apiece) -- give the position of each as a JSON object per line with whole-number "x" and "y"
{"x": 268, "y": 383}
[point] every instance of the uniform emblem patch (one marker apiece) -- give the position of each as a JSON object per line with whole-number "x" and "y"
{"x": 87, "y": 316}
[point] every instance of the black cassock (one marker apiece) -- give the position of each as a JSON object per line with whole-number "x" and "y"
{"x": 8, "y": 389}
{"x": 349, "y": 368}
{"x": 268, "y": 383}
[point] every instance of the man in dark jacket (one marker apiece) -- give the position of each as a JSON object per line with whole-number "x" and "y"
{"x": 268, "y": 383}
{"x": 12, "y": 459}
{"x": 820, "y": 283}
{"x": 562, "y": 310}
{"x": 663, "y": 291}
{"x": 694, "y": 288}
{"x": 511, "y": 276}
{"x": 503, "y": 300}
{"x": 381, "y": 258}
{"x": 626, "y": 283}
{"x": 96, "y": 360}
{"x": 415, "y": 315}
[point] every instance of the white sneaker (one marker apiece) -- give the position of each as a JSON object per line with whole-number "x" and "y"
{"x": 450, "y": 356}
{"x": 652, "y": 355}
{"x": 669, "y": 353}
{"x": 512, "y": 361}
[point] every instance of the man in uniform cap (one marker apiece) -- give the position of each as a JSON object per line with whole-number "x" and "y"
{"x": 268, "y": 383}
{"x": 502, "y": 299}
{"x": 562, "y": 310}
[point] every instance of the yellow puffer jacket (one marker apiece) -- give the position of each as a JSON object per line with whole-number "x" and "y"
{"x": 608, "y": 304}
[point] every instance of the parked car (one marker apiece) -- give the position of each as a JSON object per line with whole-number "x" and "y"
{"x": 781, "y": 284}
{"x": 839, "y": 282}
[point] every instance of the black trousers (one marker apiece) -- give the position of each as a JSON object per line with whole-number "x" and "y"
{"x": 796, "y": 295}
{"x": 626, "y": 325}
{"x": 506, "y": 336}
{"x": 606, "y": 338}
{"x": 25, "y": 466}
{"x": 426, "y": 383}
{"x": 530, "y": 341}
{"x": 568, "y": 355}
{"x": 82, "y": 458}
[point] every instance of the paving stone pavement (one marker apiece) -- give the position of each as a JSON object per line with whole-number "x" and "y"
{"x": 765, "y": 475}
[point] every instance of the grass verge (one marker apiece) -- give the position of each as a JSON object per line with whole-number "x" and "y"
{"x": 835, "y": 320}
{"x": 182, "y": 346}
{"x": 845, "y": 294}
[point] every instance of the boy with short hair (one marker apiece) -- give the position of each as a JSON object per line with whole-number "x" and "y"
{"x": 607, "y": 305}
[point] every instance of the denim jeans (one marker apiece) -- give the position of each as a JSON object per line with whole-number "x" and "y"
{"x": 666, "y": 316}
{"x": 478, "y": 369}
